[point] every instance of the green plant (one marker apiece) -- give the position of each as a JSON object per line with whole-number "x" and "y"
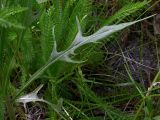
{"x": 51, "y": 33}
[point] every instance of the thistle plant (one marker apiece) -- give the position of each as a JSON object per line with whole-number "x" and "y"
{"x": 36, "y": 34}
{"x": 79, "y": 41}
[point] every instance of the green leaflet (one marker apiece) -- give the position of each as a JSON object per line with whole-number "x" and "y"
{"x": 125, "y": 11}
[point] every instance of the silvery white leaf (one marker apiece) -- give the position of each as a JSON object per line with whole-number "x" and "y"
{"x": 54, "y": 51}
{"x": 31, "y": 97}
{"x": 68, "y": 59}
{"x": 81, "y": 40}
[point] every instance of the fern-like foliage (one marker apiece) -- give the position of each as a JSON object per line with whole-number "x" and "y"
{"x": 9, "y": 24}
{"x": 7, "y": 12}
{"x": 125, "y": 11}
{"x": 27, "y": 49}
{"x": 64, "y": 19}
{"x": 83, "y": 16}
{"x": 27, "y": 55}
{"x": 46, "y": 34}
{"x": 62, "y": 16}
{"x": 7, "y": 19}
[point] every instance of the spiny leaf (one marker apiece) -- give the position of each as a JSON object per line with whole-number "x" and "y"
{"x": 80, "y": 40}
{"x": 33, "y": 97}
